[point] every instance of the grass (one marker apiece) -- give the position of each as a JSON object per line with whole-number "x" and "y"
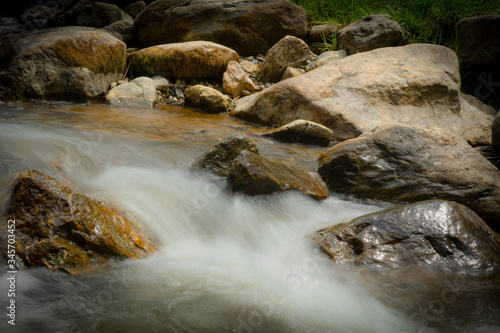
{"x": 423, "y": 21}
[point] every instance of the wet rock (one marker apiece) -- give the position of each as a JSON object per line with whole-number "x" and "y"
{"x": 417, "y": 84}
{"x": 206, "y": 99}
{"x": 235, "y": 80}
{"x": 288, "y": 52}
{"x": 69, "y": 63}
{"x": 255, "y": 175}
{"x": 302, "y": 131}
{"x": 292, "y": 72}
{"x": 400, "y": 163}
{"x": 369, "y": 33}
{"x": 323, "y": 33}
{"x": 440, "y": 234}
{"x": 186, "y": 61}
{"x": 99, "y": 15}
{"x": 248, "y": 27}
{"x": 220, "y": 157}
{"x": 140, "y": 91}
{"x": 66, "y": 231}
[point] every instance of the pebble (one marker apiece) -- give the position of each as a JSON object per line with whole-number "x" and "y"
{"x": 179, "y": 93}
{"x": 255, "y": 61}
{"x": 246, "y": 93}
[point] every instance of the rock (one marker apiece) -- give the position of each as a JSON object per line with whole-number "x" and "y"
{"x": 220, "y": 157}
{"x": 249, "y": 67}
{"x": 288, "y": 52}
{"x": 369, "y": 33}
{"x": 326, "y": 58}
{"x": 66, "y": 231}
{"x": 187, "y": 61}
{"x": 292, "y": 72}
{"x": 477, "y": 41}
{"x": 122, "y": 30}
{"x": 255, "y": 175}
{"x": 247, "y": 26}
{"x": 38, "y": 17}
{"x": 400, "y": 163}
{"x": 134, "y": 9}
{"x": 440, "y": 234}
{"x": 319, "y": 48}
{"x": 491, "y": 154}
{"x": 69, "y": 63}
{"x": 161, "y": 84}
{"x": 235, "y": 80}
{"x": 206, "y": 99}
{"x": 495, "y": 132}
{"x": 99, "y": 15}
{"x": 139, "y": 92}
{"x": 302, "y": 131}
{"x": 323, "y": 33}
{"x": 417, "y": 84}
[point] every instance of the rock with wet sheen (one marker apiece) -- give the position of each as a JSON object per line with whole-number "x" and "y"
{"x": 66, "y": 231}
{"x": 302, "y": 131}
{"x": 437, "y": 233}
{"x": 255, "y": 175}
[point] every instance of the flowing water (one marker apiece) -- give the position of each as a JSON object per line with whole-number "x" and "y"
{"x": 228, "y": 263}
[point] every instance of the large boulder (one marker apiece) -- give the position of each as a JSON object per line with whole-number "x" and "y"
{"x": 436, "y": 233}
{"x": 69, "y": 63}
{"x": 288, "y": 52}
{"x": 407, "y": 164}
{"x": 255, "y": 175}
{"x": 369, "y": 33}
{"x": 187, "y": 61}
{"x": 139, "y": 92}
{"x": 249, "y": 27}
{"x": 219, "y": 159}
{"x": 415, "y": 84}
{"x": 206, "y": 99}
{"x": 66, "y": 231}
{"x": 302, "y": 131}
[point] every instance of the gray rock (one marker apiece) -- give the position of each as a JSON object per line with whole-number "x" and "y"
{"x": 255, "y": 175}
{"x": 369, "y": 33}
{"x": 123, "y": 30}
{"x": 440, "y": 234}
{"x": 220, "y": 157}
{"x": 99, "y": 15}
{"x": 326, "y": 58}
{"x": 302, "y": 131}
{"x": 134, "y": 9}
{"x": 400, "y": 163}
{"x": 138, "y": 92}
{"x": 288, "y": 52}
{"x": 247, "y": 26}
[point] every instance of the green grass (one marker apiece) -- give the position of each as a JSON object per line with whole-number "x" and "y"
{"x": 423, "y": 21}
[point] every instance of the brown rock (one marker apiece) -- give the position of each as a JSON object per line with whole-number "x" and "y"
{"x": 292, "y": 72}
{"x": 417, "y": 84}
{"x": 235, "y": 80}
{"x": 288, "y": 52}
{"x": 134, "y": 9}
{"x": 323, "y": 33}
{"x": 369, "y": 33}
{"x": 254, "y": 175}
{"x": 67, "y": 231}
{"x": 440, "y": 234}
{"x": 187, "y": 61}
{"x": 247, "y": 26}
{"x": 302, "y": 131}
{"x": 206, "y": 99}
{"x": 400, "y": 163}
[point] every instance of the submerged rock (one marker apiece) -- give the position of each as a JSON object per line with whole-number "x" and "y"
{"x": 254, "y": 175}
{"x": 66, "y": 231}
{"x": 436, "y": 233}
{"x": 408, "y": 164}
{"x": 220, "y": 157}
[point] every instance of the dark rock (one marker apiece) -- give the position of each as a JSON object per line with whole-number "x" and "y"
{"x": 134, "y": 9}
{"x": 408, "y": 164}
{"x": 323, "y": 33}
{"x": 99, "y": 15}
{"x": 495, "y": 132}
{"x": 369, "y": 33}
{"x": 490, "y": 153}
{"x": 248, "y": 27}
{"x": 288, "y": 52}
{"x": 66, "y": 231}
{"x": 255, "y": 175}
{"x": 440, "y": 234}
{"x": 220, "y": 157}
{"x": 122, "y": 30}
{"x": 206, "y": 99}
{"x": 302, "y": 131}
{"x": 69, "y": 63}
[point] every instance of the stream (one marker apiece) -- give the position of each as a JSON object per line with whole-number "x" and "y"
{"x": 228, "y": 262}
